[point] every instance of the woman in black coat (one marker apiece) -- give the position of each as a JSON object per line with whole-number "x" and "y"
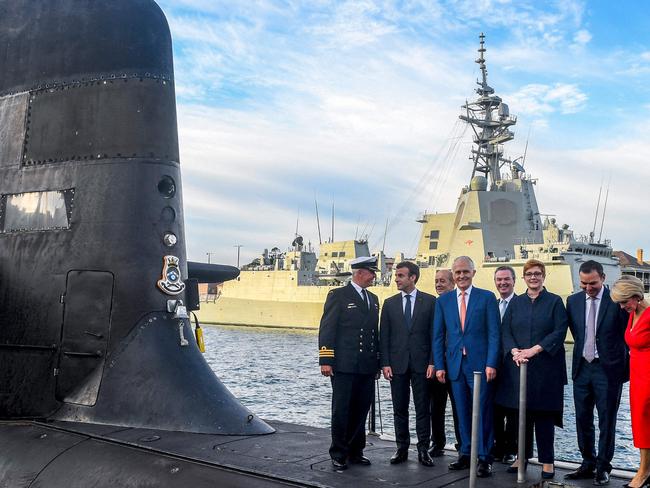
{"x": 533, "y": 331}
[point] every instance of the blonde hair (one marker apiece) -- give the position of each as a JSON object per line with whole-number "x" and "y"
{"x": 627, "y": 287}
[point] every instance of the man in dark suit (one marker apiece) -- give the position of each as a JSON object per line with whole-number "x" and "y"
{"x": 348, "y": 343}
{"x": 405, "y": 345}
{"x": 600, "y": 367}
{"x": 505, "y": 420}
{"x": 466, "y": 339}
{"x": 444, "y": 282}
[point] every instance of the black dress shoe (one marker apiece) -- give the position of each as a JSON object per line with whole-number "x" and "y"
{"x": 360, "y": 459}
{"x": 484, "y": 469}
{"x": 509, "y": 459}
{"x": 424, "y": 458}
{"x": 548, "y": 475}
{"x": 435, "y": 452}
{"x": 582, "y": 473}
{"x": 515, "y": 469}
{"x": 339, "y": 464}
{"x": 602, "y": 478}
{"x": 400, "y": 456}
{"x": 461, "y": 463}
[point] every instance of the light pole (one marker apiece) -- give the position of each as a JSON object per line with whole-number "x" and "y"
{"x": 209, "y": 255}
{"x": 238, "y": 246}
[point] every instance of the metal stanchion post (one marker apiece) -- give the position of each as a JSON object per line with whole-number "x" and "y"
{"x": 373, "y": 424}
{"x": 476, "y": 417}
{"x": 521, "y": 472}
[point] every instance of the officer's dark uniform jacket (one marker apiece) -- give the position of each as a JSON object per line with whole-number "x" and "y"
{"x": 348, "y": 338}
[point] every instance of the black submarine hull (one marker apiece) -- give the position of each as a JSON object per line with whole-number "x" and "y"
{"x": 92, "y": 247}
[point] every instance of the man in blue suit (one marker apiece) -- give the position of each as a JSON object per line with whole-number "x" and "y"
{"x": 466, "y": 338}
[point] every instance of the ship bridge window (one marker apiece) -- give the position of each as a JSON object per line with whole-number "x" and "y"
{"x": 36, "y": 211}
{"x": 433, "y": 236}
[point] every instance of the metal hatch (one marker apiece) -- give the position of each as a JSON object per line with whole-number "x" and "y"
{"x": 84, "y": 339}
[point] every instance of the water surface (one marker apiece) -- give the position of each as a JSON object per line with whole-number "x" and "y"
{"x": 275, "y": 373}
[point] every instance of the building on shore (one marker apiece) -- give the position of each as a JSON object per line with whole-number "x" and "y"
{"x": 635, "y": 266}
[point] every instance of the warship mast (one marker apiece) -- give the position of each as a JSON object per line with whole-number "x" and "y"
{"x": 490, "y": 120}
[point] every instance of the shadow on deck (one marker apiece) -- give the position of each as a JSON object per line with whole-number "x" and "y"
{"x": 293, "y": 456}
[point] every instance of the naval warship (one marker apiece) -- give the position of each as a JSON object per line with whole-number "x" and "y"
{"x": 496, "y": 222}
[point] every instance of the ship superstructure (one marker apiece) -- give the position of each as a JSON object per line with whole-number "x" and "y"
{"x": 497, "y": 209}
{"x": 496, "y": 221}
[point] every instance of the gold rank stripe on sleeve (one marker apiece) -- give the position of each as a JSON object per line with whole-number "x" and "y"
{"x": 325, "y": 353}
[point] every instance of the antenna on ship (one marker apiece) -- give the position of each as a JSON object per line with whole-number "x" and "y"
{"x": 490, "y": 120}
{"x": 383, "y": 246}
{"x": 600, "y": 191}
{"x": 600, "y": 234}
{"x": 332, "y": 238}
{"x": 320, "y": 240}
{"x": 523, "y": 159}
{"x": 297, "y": 221}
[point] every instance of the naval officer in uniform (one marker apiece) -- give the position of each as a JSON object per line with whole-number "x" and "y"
{"x": 348, "y": 343}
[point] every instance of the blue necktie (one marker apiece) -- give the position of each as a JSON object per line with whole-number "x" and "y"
{"x": 407, "y": 311}
{"x": 365, "y": 298}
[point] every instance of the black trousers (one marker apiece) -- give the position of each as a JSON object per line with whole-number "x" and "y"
{"x": 543, "y": 424}
{"x": 400, "y": 387}
{"x": 438, "y": 393}
{"x": 352, "y": 395}
{"x": 592, "y": 388}
{"x": 505, "y": 431}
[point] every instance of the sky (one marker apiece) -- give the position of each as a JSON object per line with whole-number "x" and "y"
{"x": 355, "y": 104}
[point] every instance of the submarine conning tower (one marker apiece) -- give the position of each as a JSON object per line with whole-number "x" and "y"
{"x": 93, "y": 269}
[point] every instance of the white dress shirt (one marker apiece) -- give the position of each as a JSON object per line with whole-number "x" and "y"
{"x": 599, "y": 300}
{"x": 503, "y": 304}
{"x": 360, "y": 292}
{"x": 413, "y": 294}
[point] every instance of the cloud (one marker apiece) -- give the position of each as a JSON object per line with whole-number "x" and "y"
{"x": 582, "y": 37}
{"x": 538, "y": 100}
{"x": 357, "y": 101}
{"x": 569, "y": 182}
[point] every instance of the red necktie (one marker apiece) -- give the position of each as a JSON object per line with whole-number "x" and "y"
{"x": 463, "y": 310}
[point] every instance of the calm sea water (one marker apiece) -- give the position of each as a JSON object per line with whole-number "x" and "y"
{"x": 275, "y": 374}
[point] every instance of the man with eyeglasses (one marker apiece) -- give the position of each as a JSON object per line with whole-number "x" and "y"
{"x": 438, "y": 392}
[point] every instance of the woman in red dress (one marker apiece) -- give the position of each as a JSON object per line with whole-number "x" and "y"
{"x": 628, "y": 293}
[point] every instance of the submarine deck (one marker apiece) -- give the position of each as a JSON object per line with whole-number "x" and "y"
{"x": 78, "y": 454}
